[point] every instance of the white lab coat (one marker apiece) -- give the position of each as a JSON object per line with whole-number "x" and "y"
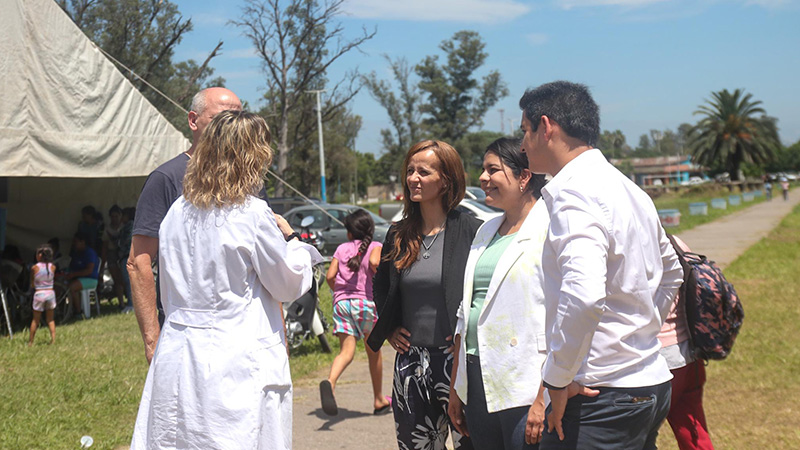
{"x": 220, "y": 375}
{"x": 511, "y": 332}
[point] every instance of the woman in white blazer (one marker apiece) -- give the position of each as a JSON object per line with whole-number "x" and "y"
{"x": 499, "y": 340}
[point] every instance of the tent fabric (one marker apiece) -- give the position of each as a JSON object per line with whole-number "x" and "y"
{"x": 73, "y": 130}
{"x": 68, "y": 111}
{"x": 41, "y": 208}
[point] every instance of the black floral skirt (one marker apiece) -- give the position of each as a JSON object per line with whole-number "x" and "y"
{"x": 421, "y": 393}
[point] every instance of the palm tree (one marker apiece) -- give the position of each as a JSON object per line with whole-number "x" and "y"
{"x": 730, "y": 133}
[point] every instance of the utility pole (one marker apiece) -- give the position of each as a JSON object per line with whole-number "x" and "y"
{"x": 511, "y": 126}
{"x": 502, "y": 121}
{"x": 323, "y": 194}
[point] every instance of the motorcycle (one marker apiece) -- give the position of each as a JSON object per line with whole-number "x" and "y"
{"x": 303, "y": 317}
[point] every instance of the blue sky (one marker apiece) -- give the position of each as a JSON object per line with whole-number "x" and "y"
{"x": 649, "y": 63}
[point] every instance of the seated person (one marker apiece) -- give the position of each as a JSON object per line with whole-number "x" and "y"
{"x": 61, "y": 261}
{"x": 83, "y": 269}
{"x": 91, "y": 227}
{"x": 124, "y": 248}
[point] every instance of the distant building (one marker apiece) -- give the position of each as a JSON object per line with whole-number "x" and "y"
{"x": 660, "y": 170}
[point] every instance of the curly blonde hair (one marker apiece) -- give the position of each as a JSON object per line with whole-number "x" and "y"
{"x": 230, "y": 161}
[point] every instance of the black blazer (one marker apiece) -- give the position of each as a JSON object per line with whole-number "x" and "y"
{"x": 461, "y": 229}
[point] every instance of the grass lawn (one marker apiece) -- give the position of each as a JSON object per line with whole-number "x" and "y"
{"x": 751, "y": 397}
{"x": 90, "y": 381}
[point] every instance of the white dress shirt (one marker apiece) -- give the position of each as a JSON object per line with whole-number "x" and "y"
{"x": 511, "y": 337}
{"x": 610, "y": 278}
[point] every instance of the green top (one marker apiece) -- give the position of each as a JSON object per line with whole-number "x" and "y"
{"x": 484, "y": 269}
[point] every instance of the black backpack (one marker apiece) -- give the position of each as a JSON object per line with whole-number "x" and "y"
{"x": 713, "y": 310}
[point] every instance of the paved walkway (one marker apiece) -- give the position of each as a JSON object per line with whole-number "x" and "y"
{"x": 355, "y": 428}
{"x": 724, "y": 239}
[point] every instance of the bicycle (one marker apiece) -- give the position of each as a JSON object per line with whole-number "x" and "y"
{"x": 63, "y": 311}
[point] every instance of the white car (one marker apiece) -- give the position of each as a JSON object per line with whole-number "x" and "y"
{"x": 471, "y": 207}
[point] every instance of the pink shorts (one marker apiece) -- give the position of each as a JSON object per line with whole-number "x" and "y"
{"x": 44, "y": 299}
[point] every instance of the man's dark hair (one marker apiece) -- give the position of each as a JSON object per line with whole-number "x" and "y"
{"x": 570, "y": 105}
{"x": 114, "y": 209}
{"x": 88, "y": 210}
{"x": 81, "y": 236}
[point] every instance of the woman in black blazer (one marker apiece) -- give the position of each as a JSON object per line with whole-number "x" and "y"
{"x": 417, "y": 290}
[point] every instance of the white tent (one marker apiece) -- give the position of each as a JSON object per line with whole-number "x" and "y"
{"x": 73, "y": 130}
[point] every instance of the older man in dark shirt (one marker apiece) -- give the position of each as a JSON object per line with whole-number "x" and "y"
{"x": 162, "y": 188}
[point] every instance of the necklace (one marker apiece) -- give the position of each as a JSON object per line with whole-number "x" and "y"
{"x": 427, "y": 253}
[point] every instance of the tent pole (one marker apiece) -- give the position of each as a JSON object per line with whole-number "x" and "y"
{"x": 5, "y": 311}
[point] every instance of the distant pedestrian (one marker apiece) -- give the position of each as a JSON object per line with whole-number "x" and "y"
{"x": 768, "y": 190}
{"x": 350, "y": 278}
{"x": 785, "y": 188}
{"x": 44, "y": 297}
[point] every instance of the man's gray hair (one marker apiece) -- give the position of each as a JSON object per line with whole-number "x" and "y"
{"x": 199, "y": 102}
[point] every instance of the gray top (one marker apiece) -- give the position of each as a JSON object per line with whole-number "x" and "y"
{"x": 422, "y": 296}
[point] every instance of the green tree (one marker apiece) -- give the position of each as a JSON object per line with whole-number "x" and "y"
{"x": 297, "y": 41}
{"x": 645, "y": 147}
{"x": 613, "y": 145}
{"x": 471, "y": 147}
{"x": 455, "y": 100}
{"x": 403, "y": 108}
{"x": 142, "y": 35}
{"x": 731, "y": 132}
{"x": 786, "y": 158}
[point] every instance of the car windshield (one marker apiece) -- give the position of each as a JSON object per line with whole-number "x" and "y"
{"x": 375, "y": 218}
{"x": 477, "y": 192}
{"x": 480, "y": 206}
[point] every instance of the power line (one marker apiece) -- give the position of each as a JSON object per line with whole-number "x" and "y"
{"x": 177, "y": 105}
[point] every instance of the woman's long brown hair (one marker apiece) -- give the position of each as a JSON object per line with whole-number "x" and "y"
{"x": 408, "y": 231}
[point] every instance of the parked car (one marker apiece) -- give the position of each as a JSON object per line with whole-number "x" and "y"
{"x": 475, "y": 193}
{"x": 332, "y": 232}
{"x": 388, "y": 210}
{"x": 471, "y": 207}
{"x": 693, "y": 181}
{"x": 280, "y": 205}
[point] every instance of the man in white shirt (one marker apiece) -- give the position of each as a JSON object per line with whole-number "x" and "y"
{"x": 610, "y": 278}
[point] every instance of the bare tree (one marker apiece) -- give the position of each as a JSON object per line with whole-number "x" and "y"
{"x": 297, "y": 42}
{"x": 403, "y": 109}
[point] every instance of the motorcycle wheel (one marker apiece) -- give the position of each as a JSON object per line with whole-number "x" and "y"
{"x": 323, "y": 342}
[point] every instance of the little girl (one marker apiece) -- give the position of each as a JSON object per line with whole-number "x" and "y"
{"x": 350, "y": 278}
{"x": 44, "y": 298}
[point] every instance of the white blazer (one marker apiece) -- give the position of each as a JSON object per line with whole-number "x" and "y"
{"x": 511, "y": 326}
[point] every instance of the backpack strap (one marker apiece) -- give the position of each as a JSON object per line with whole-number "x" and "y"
{"x": 687, "y": 276}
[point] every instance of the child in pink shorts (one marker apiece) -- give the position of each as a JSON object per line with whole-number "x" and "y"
{"x": 44, "y": 297}
{"x": 350, "y": 279}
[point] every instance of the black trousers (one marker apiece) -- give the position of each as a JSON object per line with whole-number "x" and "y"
{"x": 500, "y": 430}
